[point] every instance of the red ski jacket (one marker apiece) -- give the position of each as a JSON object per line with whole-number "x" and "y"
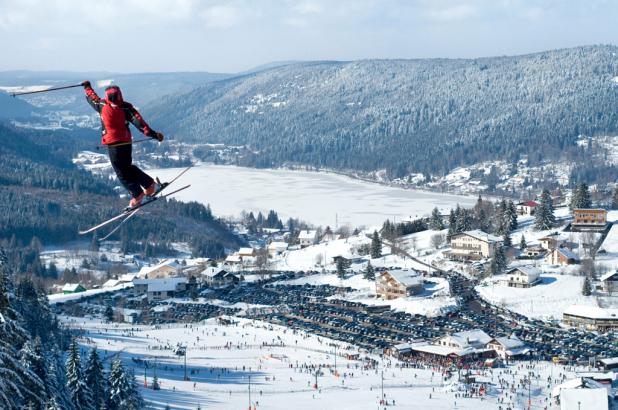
{"x": 116, "y": 115}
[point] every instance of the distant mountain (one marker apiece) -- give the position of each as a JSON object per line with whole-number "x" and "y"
{"x": 405, "y": 116}
{"x": 139, "y": 88}
{"x": 14, "y": 108}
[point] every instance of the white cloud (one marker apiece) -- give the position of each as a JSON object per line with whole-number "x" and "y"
{"x": 452, "y": 13}
{"x": 308, "y": 8}
{"x": 221, "y": 16}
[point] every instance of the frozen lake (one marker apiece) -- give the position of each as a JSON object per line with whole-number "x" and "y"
{"x": 318, "y": 198}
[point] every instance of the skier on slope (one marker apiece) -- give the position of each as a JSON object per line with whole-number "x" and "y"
{"x": 116, "y": 114}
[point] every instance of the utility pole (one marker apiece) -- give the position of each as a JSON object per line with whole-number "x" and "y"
{"x": 186, "y": 378}
{"x": 249, "y": 392}
{"x": 529, "y": 400}
{"x": 335, "y": 360}
{"x": 382, "y": 396}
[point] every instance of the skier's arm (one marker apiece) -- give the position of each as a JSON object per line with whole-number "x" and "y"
{"x": 93, "y": 99}
{"x": 136, "y": 119}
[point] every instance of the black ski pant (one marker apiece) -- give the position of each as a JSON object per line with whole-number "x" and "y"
{"x": 130, "y": 176}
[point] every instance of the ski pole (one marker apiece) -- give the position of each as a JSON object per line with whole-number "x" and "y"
{"x": 47, "y": 89}
{"x": 126, "y": 143}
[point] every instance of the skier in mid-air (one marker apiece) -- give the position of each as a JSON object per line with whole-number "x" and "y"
{"x": 116, "y": 114}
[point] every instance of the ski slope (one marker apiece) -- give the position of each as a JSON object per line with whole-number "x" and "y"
{"x": 281, "y": 363}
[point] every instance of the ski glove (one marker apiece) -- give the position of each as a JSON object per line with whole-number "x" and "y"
{"x": 86, "y": 84}
{"x": 158, "y": 136}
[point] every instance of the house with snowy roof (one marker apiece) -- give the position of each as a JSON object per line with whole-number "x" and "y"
{"x": 591, "y": 318}
{"x": 218, "y": 277}
{"x": 307, "y": 238}
{"x": 167, "y": 268}
{"x": 527, "y": 208}
{"x": 561, "y": 256}
{"x": 581, "y": 393}
{"x": 509, "y": 347}
{"x": 609, "y": 282}
{"x": 523, "y": 276}
{"x": 397, "y": 283}
{"x": 73, "y": 288}
{"x": 159, "y": 289}
{"x": 474, "y": 244}
{"x": 277, "y": 248}
{"x": 462, "y": 346}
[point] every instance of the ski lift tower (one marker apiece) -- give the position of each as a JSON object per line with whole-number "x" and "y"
{"x": 181, "y": 350}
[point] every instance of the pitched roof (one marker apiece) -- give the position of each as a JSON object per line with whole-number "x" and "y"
{"x": 567, "y": 253}
{"x": 471, "y": 337}
{"x": 307, "y": 234}
{"x": 405, "y": 277}
{"x": 591, "y": 312}
{"x": 509, "y": 343}
{"x": 609, "y": 275}
{"x": 160, "y": 285}
{"x": 71, "y": 287}
{"x": 530, "y": 271}
{"x": 168, "y": 262}
{"x": 529, "y": 203}
{"x": 213, "y": 272}
{"x": 481, "y": 236}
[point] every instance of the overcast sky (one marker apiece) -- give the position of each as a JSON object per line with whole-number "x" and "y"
{"x": 235, "y": 35}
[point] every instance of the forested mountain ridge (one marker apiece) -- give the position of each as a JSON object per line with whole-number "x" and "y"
{"x": 405, "y": 116}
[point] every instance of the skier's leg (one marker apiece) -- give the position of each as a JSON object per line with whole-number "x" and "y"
{"x": 120, "y": 157}
{"x": 142, "y": 178}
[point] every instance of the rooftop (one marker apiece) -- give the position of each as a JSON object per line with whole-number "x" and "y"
{"x": 591, "y": 312}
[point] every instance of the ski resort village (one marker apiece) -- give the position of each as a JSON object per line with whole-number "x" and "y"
{"x": 502, "y": 305}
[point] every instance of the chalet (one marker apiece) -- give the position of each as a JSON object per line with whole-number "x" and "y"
{"x": 247, "y": 253}
{"x": 609, "y": 363}
{"x": 159, "y": 289}
{"x": 474, "y": 244}
{"x": 533, "y": 252}
{"x": 509, "y": 347}
{"x": 527, "y": 208}
{"x": 461, "y": 346}
{"x": 609, "y": 282}
{"x": 233, "y": 260}
{"x": 561, "y": 256}
{"x": 589, "y": 219}
{"x": 217, "y": 277}
{"x": 307, "y": 238}
{"x": 580, "y": 394}
{"x": 551, "y": 241}
{"x": 73, "y": 288}
{"x": 277, "y": 248}
{"x": 398, "y": 283}
{"x": 166, "y": 269}
{"x": 523, "y": 276}
{"x": 591, "y": 318}
{"x": 112, "y": 283}
{"x": 400, "y": 351}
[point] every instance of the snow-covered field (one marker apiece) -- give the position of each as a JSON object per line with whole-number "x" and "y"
{"x": 546, "y": 300}
{"x": 281, "y": 366}
{"x": 319, "y": 198}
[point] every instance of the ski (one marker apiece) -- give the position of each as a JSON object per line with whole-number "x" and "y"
{"x": 129, "y": 211}
{"x": 113, "y": 231}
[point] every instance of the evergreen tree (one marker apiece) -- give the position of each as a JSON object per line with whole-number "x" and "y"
{"x": 498, "y": 262}
{"x": 587, "y": 288}
{"x": 544, "y": 216}
{"x": 506, "y": 240}
{"x": 341, "y": 266}
{"x": 580, "y": 197}
{"x": 435, "y": 222}
{"x": 452, "y": 224}
{"x": 511, "y": 213}
{"x": 522, "y": 243}
{"x": 376, "y": 245}
{"x": 95, "y": 379}
{"x": 369, "y": 272}
{"x": 501, "y": 219}
{"x": 109, "y": 313}
{"x": 81, "y": 396}
{"x": 614, "y": 203}
{"x": 123, "y": 392}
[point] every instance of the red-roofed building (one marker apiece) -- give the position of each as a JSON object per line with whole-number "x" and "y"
{"x": 526, "y": 208}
